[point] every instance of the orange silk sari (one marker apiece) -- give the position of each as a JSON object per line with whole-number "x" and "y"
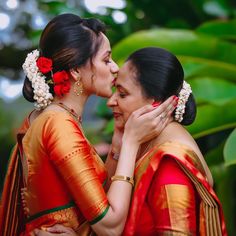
{"x": 143, "y": 212}
{"x": 63, "y": 177}
{"x": 11, "y": 211}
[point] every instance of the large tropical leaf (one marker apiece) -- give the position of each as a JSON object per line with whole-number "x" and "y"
{"x": 195, "y": 66}
{"x": 218, "y": 91}
{"x": 215, "y": 155}
{"x": 180, "y": 42}
{"x": 230, "y": 149}
{"x": 220, "y": 28}
{"x": 213, "y": 118}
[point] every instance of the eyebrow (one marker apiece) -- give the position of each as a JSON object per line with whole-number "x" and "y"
{"x": 119, "y": 86}
{"x": 107, "y": 53}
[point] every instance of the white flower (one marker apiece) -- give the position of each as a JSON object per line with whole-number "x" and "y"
{"x": 40, "y": 88}
{"x": 183, "y": 98}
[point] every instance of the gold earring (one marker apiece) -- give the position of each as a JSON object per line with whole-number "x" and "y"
{"x": 78, "y": 87}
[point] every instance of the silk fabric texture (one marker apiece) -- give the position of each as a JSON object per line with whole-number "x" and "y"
{"x": 63, "y": 176}
{"x": 161, "y": 206}
{"x": 141, "y": 221}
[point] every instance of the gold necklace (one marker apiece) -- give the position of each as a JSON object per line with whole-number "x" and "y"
{"x": 70, "y": 110}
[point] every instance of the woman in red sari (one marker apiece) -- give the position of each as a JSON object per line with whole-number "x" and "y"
{"x": 60, "y": 172}
{"x": 173, "y": 193}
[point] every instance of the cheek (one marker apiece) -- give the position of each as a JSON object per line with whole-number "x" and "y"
{"x": 125, "y": 110}
{"x": 103, "y": 88}
{"x": 103, "y": 85}
{"x": 127, "y": 115}
{"x": 130, "y": 107}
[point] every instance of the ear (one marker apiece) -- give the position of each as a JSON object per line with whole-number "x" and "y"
{"x": 75, "y": 73}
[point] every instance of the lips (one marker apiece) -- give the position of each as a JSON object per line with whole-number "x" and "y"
{"x": 116, "y": 114}
{"x": 114, "y": 81}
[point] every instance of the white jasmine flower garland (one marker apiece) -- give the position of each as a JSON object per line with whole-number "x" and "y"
{"x": 183, "y": 98}
{"x": 42, "y": 96}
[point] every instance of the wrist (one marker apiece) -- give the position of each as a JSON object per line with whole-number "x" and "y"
{"x": 128, "y": 139}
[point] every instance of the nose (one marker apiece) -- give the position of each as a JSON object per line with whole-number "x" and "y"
{"x": 112, "y": 102}
{"x": 114, "y": 67}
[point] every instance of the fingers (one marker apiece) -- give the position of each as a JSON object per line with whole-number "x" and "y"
{"x": 168, "y": 105}
{"x": 38, "y": 232}
{"x": 143, "y": 110}
{"x": 166, "y": 108}
{"x": 162, "y": 111}
{"x": 61, "y": 229}
{"x": 56, "y": 229}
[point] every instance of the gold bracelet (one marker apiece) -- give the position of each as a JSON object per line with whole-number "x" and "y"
{"x": 123, "y": 178}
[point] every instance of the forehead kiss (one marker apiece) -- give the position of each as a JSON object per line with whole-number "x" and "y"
{"x": 126, "y": 79}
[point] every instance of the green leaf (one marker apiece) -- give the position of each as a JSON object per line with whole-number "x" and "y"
{"x": 179, "y": 42}
{"x": 195, "y": 66}
{"x": 215, "y": 155}
{"x": 220, "y": 28}
{"x": 103, "y": 110}
{"x": 213, "y": 118}
{"x": 230, "y": 149}
{"x": 218, "y": 91}
{"x": 109, "y": 127}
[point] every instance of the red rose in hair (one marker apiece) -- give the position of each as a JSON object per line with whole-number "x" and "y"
{"x": 44, "y": 64}
{"x": 60, "y": 77}
{"x": 61, "y": 83}
{"x": 66, "y": 87}
{"x": 61, "y": 89}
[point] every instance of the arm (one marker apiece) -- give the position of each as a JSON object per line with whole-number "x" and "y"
{"x": 110, "y": 162}
{"x": 70, "y": 153}
{"x": 143, "y": 125}
{"x": 172, "y": 201}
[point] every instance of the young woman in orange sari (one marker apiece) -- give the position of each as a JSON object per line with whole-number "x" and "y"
{"x": 61, "y": 175}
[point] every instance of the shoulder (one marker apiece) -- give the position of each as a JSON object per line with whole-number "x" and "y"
{"x": 56, "y": 118}
{"x": 169, "y": 172}
{"x": 55, "y": 122}
{"x": 175, "y": 132}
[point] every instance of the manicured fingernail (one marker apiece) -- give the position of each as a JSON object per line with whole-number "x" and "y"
{"x": 155, "y": 104}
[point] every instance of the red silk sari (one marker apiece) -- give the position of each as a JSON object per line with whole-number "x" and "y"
{"x": 165, "y": 209}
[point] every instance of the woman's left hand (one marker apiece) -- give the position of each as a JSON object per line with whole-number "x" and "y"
{"x": 57, "y": 229}
{"x": 148, "y": 122}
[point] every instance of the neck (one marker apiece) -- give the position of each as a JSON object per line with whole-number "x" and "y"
{"x": 145, "y": 147}
{"x": 74, "y": 102}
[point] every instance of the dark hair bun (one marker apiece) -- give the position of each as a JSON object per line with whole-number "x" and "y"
{"x": 27, "y": 90}
{"x": 190, "y": 111}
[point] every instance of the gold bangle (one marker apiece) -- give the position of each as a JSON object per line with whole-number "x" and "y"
{"x": 123, "y": 178}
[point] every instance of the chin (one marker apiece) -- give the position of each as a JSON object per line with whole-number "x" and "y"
{"x": 105, "y": 94}
{"x": 119, "y": 124}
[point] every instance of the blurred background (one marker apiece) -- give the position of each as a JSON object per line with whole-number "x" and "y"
{"x": 202, "y": 33}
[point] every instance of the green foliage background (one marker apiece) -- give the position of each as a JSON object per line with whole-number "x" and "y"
{"x": 202, "y": 33}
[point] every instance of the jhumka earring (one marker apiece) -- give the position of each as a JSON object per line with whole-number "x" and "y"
{"x": 78, "y": 87}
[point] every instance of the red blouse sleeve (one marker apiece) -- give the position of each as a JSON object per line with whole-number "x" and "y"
{"x": 172, "y": 200}
{"x": 72, "y": 156}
